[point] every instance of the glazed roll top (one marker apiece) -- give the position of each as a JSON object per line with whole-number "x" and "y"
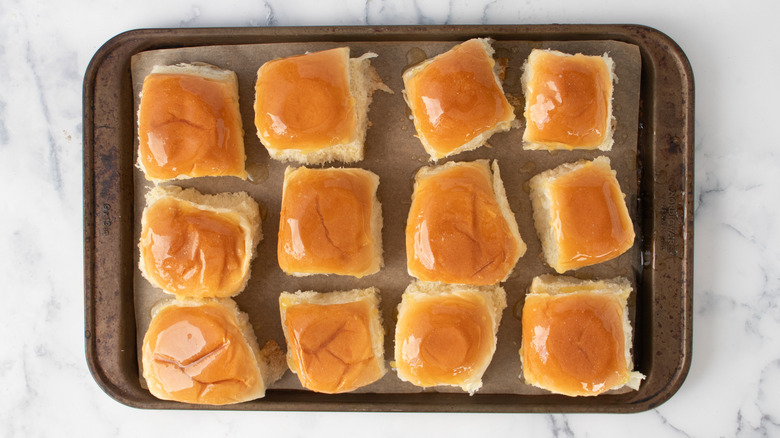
{"x": 581, "y": 215}
{"x": 577, "y": 336}
{"x": 335, "y": 340}
{"x": 304, "y": 102}
{"x": 455, "y": 97}
{"x": 460, "y": 228}
{"x": 204, "y": 352}
{"x": 330, "y": 222}
{"x": 568, "y": 101}
{"x": 196, "y": 245}
{"x": 446, "y": 335}
{"x": 189, "y": 124}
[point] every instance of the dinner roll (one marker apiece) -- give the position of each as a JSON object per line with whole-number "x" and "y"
{"x": 568, "y": 101}
{"x": 460, "y": 228}
{"x": 446, "y": 334}
{"x": 313, "y": 108}
{"x": 189, "y": 124}
{"x": 577, "y": 336}
{"x": 196, "y": 245}
{"x": 335, "y": 340}
{"x": 456, "y": 99}
{"x": 580, "y": 214}
{"x": 330, "y": 222}
{"x": 206, "y": 352}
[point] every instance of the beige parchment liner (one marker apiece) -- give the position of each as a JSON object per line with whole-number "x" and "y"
{"x": 394, "y": 153}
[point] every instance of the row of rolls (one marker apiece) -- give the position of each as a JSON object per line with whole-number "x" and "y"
{"x": 462, "y": 239}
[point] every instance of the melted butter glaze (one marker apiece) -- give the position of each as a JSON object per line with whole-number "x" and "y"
{"x": 304, "y": 102}
{"x": 197, "y": 354}
{"x": 456, "y": 232}
{"x": 456, "y": 97}
{"x": 189, "y": 125}
{"x": 331, "y": 346}
{"x": 444, "y": 339}
{"x": 574, "y": 344}
{"x": 325, "y": 222}
{"x": 590, "y": 217}
{"x": 193, "y": 252}
{"x": 568, "y": 100}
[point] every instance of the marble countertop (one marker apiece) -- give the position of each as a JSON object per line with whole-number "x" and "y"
{"x": 732, "y": 389}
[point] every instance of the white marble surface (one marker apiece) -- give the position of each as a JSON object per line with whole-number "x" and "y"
{"x": 733, "y": 388}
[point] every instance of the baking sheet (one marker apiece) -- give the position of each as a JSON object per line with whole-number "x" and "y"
{"x": 393, "y": 153}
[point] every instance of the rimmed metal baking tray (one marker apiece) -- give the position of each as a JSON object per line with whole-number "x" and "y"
{"x": 665, "y": 152}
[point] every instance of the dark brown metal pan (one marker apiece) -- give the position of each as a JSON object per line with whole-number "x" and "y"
{"x": 663, "y": 322}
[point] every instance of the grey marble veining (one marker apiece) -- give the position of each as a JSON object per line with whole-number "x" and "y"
{"x": 733, "y": 388}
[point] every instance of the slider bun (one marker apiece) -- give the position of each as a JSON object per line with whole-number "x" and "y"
{"x": 206, "y": 352}
{"x": 196, "y": 245}
{"x": 568, "y": 101}
{"x": 446, "y": 334}
{"x": 335, "y": 340}
{"x": 313, "y": 108}
{"x": 189, "y": 124}
{"x": 460, "y": 228}
{"x": 578, "y": 221}
{"x": 456, "y": 99}
{"x": 577, "y": 336}
{"x": 330, "y": 222}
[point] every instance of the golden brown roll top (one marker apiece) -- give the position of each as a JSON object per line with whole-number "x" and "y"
{"x": 335, "y": 340}
{"x": 456, "y": 99}
{"x": 577, "y": 336}
{"x": 189, "y": 124}
{"x": 312, "y": 108}
{"x": 330, "y": 222}
{"x": 205, "y": 352}
{"x": 460, "y": 227}
{"x": 580, "y": 214}
{"x": 446, "y": 334}
{"x": 196, "y": 245}
{"x": 304, "y": 102}
{"x": 568, "y": 101}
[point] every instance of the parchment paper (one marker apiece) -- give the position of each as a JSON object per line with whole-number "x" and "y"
{"x": 395, "y": 154}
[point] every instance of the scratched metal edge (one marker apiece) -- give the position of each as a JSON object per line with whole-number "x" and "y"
{"x": 114, "y": 368}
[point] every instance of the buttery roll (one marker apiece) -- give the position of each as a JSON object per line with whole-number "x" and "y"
{"x": 580, "y": 214}
{"x": 335, "y": 340}
{"x": 189, "y": 124}
{"x": 206, "y": 352}
{"x": 576, "y": 336}
{"x": 456, "y": 99}
{"x": 330, "y": 222}
{"x": 196, "y": 245}
{"x": 568, "y": 101}
{"x": 460, "y": 228}
{"x": 313, "y": 108}
{"x": 446, "y": 334}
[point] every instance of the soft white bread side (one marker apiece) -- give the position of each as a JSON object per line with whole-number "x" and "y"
{"x": 428, "y": 350}
{"x": 227, "y": 78}
{"x": 228, "y": 376}
{"x": 545, "y": 286}
{"x": 481, "y": 138}
{"x": 362, "y": 372}
{"x": 541, "y": 203}
{"x": 201, "y": 69}
{"x": 527, "y": 77}
{"x": 363, "y": 82}
{"x": 238, "y": 207}
{"x": 506, "y": 211}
